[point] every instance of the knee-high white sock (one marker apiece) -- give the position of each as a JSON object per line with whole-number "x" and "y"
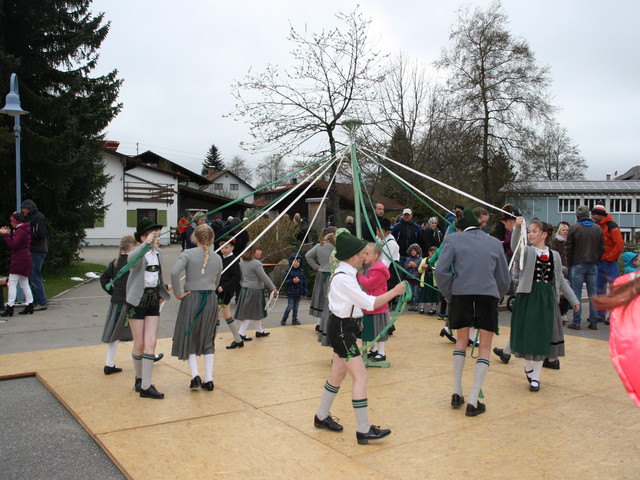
{"x": 258, "y": 325}
{"x": 459, "y": 356}
{"x": 111, "y": 354}
{"x": 147, "y": 366}
{"x": 362, "y": 415}
{"x": 329, "y": 393}
{"x": 507, "y": 347}
{"x": 233, "y": 327}
{"x": 527, "y": 366}
{"x": 380, "y": 349}
{"x": 482, "y": 367}
{"x": 537, "y": 369}
{"x": 137, "y": 364}
{"x": 243, "y": 327}
{"x": 193, "y": 365}
{"x": 208, "y": 367}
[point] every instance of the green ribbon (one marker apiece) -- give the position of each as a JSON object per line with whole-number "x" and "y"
{"x": 204, "y": 295}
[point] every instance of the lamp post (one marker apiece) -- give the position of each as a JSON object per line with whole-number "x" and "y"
{"x": 13, "y": 109}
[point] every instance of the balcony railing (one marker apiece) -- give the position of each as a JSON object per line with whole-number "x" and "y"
{"x": 146, "y": 192}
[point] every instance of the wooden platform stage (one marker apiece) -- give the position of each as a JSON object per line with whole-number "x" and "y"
{"x": 258, "y": 422}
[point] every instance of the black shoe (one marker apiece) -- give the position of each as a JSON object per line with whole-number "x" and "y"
{"x": 158, "y": 357}
{"x": 329, "y": 423}
{"x": 473, "y": 411}
{"x": 109, "y": 370}
{"x": 295, "y": 322}
{"x": 28, "y": 309}
{"x": 136, "y": 385}
{"x": 207, "y": 385}
{"x": 195, "y": 382}
{"x": 379, "y": 358}
{"x": 151, "y": 392}
{"x": 527, "y": 372}
{"x": 317, "y": 328}
{"x": 431, "y": 312}
{"x": 374, "y": 433}
{"x": 235, "y": 344}
{"x": 470, "y": 343}
{"x": 372, "y": 353}
{"x": 245, "y": 338}
{"x": 534, "y": 386}
{"x": 592, "y": 326}
{"x": 444, "y": 333}
{"x": 505, "y": 357}
{"x": 391, "y": 330}
{"x": 555, "y": 365}
{"x": 8, "y": 311}
{"x": 283, "y": 321}
{"x": 457, "y": 400}
{"x": 262, "y": 334}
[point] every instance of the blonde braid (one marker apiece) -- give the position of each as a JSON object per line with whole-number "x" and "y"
{"x": 125, "y": 243}
{"x": 204, "y": 237}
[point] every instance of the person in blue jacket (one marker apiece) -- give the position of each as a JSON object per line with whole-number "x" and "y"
{"x": 295, "y": 283}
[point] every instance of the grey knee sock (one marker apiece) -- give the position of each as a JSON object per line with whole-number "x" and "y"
{"x": 362, "y": 415}
{"x": 482, "y": 367}
{"x": 233, "y": 328}
{"x": 459, "y": 356}
{"x": 137, "y": 364}
{"x": 147, "y": 366}
{"x": 329, "y": 392}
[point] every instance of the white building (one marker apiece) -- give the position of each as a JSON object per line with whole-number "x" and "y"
{"x": 135, "y": 191}
{"x": 227, "y": 184}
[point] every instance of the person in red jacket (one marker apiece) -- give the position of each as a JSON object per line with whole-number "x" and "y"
{"x": 613, "y": 245}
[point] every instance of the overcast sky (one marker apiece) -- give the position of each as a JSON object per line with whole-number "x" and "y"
{"x": 179, "y": 60}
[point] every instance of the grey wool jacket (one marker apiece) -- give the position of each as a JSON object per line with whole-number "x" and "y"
{"x": 525, "y": 281}
{"x": 472, "y": 263}
{"x": 254, "y": 276}
{"x": 135, "y": 282}
{"x": 190, "y": 261}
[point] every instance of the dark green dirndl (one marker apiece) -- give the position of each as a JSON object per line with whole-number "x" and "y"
{"x": 367, "y": 333}
{"x": 428, "y": 293}
{"x": 532, "y": 322}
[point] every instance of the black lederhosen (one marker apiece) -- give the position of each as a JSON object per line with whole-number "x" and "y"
{"x": 226, "y": 297}
{"x": 343, "y": 335}
{"x": 479, "y": 311}
{"x": 149, "y": 305}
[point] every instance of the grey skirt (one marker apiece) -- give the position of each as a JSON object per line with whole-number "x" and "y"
{"x": 251, "y": 304}
{"x": 324, "y": 328}
{"x": 114, "y": 328}
{"x": 193, "y": 333}
{"x": 380, "y": 320}
{"x": 319, "y": 297}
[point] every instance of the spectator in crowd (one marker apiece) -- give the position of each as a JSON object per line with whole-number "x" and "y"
{"x": 431, "y": 235}
{"x": 509, "y": 221}
{"x": 217, "y": 226}
{"x": 406, "y": 233}
{"x": 559, "y": 242}
{"x": 199, "y": 218}
{"x": 39, "y": 249}
{"x": 183, "y": 223}
{"x": 350, "y": 225}
{"x": 630, "y": 262}
{"x": 584, "y": 248}
{"x": 613, "y": 245}
{"x": 18, "y": 238}
{"x": 482, "y": 215}
{"x": 374, "y": 219}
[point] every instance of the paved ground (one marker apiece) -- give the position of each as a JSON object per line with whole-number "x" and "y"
{"x": 76, "y": 318}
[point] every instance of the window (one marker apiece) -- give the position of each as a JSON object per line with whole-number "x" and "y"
{"x": 147, "y": 214}
{"x": 568, "y": 205}
{"x": 620, "y": 205}
{"x": 592, "y": 202}
{"x": 626, "y": 235}
{"x": 218, "y": 186}
{"x": 233, "y": 186}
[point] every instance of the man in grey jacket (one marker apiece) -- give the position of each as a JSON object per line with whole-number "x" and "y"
{"x": 584, "y": 248}
{"x": 472, "y": 274}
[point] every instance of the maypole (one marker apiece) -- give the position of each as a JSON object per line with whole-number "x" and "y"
{"x": 352, "y": 126}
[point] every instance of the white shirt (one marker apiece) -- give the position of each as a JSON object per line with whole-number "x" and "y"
{"x": 151, "y": 279}
{"x": 346, "y": 294}
{"x": 390, "y": 248}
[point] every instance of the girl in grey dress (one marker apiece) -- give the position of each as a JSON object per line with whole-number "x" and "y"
{"x": 195, "y": 329}
{"x": 318, "y": 259}
{"x": 251, "y": 302}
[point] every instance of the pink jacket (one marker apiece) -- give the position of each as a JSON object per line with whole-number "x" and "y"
{"x": 375, "y": 283}
{"x": 624, "y": 342}
{"x": 19, "y": 242}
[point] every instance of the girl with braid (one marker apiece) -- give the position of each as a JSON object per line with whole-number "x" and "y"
{"x": 195, "y": 329}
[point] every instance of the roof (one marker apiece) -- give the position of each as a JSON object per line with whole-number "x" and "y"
{"x": 632, "y": 174}
{"x": 219, "y": 173}
{"x": 548, "y": 186}
{"x": 152, "y": 158}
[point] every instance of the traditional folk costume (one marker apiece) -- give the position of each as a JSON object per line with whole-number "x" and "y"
{"x": 197, "y": 320}
{"x": 536, "y": 323}
{"x": 251, "y": 302}
{"x": 318, "y": 259}
{"x": 374, "y": 321}
{"x": 229, "y": 281}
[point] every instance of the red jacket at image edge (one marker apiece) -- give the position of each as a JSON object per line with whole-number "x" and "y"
{"x": 613, "y": 242}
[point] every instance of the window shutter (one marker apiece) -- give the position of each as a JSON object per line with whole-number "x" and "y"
{"x": 132, "y": 218}
{"x": 98, "y": 222}
{"x": 162, "y": 217}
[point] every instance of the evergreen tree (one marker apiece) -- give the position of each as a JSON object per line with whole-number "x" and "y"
{"x": 213, "y": 160}
{"x": 52, "y": 46}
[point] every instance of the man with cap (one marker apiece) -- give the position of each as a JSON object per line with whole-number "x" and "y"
{"x": 613, "y": 245}
{"x": 346, "y": 303}
{"x": 145, "y": 292}
{"x": 584, "y": 249}
{"x": 407, "y": 232}
{"x": 472, "y": 274}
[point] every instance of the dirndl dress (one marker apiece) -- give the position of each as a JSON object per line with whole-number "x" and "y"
{"x": 373, "y": 324}
{"x": 428, "y": 293}
{"x": 196, "y": 325}
{"x": 114, "y": 326}
{"x": 251, "y": 304}
{"x": 320, "y": 295}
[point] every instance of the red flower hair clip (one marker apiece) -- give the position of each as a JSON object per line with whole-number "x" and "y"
{"x": 544, "y": 257}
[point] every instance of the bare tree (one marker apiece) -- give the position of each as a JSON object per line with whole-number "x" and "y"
{"x": 496, "y": 87}
{"x": 334, "y": 74}
{"x": 550, "y": 155}
{"x": 238, "y": 166}
{"x": 272, "y": 168}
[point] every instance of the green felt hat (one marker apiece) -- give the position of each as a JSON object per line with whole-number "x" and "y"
{"x": 347, "y": 246}
{"x": 144, "y": 226}
{"x": 468, "y": 220}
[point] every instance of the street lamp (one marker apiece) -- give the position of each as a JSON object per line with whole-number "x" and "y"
{"x": 13, "y": 109}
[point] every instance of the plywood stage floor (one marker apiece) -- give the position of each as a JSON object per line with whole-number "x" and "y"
{"x": 258, "y": 422}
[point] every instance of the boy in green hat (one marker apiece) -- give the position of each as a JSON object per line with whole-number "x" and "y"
{"x": 346, "y": 303}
